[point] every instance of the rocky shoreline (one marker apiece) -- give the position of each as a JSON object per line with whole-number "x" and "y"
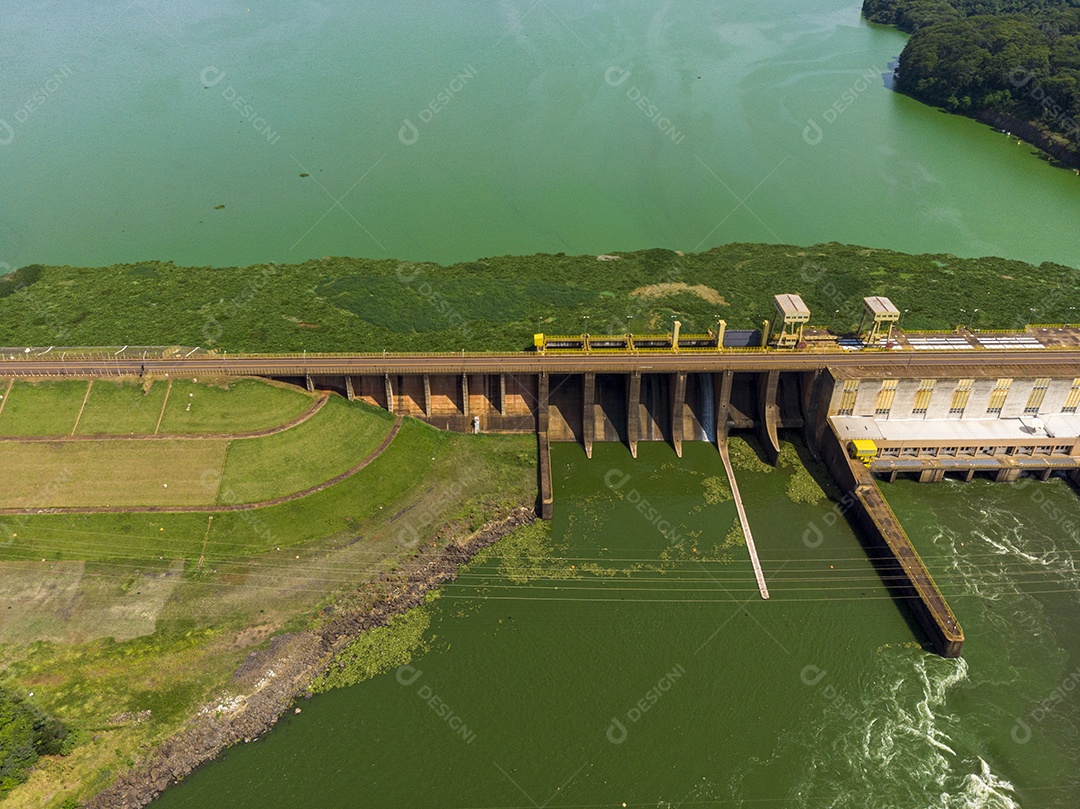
{"x": 285, "y": 670}
{"x": 1056, "y": 146}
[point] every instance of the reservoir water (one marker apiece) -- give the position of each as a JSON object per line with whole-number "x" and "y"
{"x": 453, "y": 130}
{"x": 610, "y": 662}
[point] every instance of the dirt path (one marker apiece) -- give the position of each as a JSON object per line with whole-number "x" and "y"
{"x": 215, "y": 509}
{"x": 316, "y": 406}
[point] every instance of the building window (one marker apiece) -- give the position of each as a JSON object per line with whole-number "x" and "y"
{"x": 1038, "y": 393}
{"x": 922, "y": 397}
{"x": 997, "y": 397}
{"x": 885, "y": 398}
{"x": 847, "y": 397}
{"x": 960, "y": 397}
{"x": 1073, "y": 399}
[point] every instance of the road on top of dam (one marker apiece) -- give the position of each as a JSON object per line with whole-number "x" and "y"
{"x": 1016, "y": 362}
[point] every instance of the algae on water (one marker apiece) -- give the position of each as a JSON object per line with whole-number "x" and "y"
{"x": 735, "y": 536}
{"x": 378, "y": 650}
{"x": 528, "y": 554}
{"x": 717, "y": 491}
{"x": 744, "y": 457}
{"x": 802, "y": 487}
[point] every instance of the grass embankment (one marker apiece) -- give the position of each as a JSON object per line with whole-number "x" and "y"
{"x": 181, "y": 472}
{"x": 48, "y": 408}
{"x": 336, "y": 439}
{"x": 123, "y": 624}
{"x": 64, "y": 407}
{"x": 349, "y": 304}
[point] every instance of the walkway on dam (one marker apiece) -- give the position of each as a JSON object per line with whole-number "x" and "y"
{"x": 1048, "y": 362}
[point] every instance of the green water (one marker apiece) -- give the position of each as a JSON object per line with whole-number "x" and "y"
{"x": 539, "y": 147}
{"x": 819, "y": 697}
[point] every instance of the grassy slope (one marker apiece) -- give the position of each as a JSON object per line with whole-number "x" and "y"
{"x": 226, "y": 406}
{"x": 181, "y": 472}
{"x": 348, "y": 304}
{"x": 42, "y": 408}
{"x": 121, "y": 408}
{"x": 338, "y": 438}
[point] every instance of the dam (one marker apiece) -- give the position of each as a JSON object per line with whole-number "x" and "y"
{"x": 878, "y": 403}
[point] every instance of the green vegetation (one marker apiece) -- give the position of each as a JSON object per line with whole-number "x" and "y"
{"x": 988, "y": 58}
{"x": 25, "y": 734}
{"x": 717, "y": 491}
{"x": 20, "y": 279}
{"x": 334, "y": 441}
{"x": 42, "y": 408}
{"x": 745, "y": 457}
{"x": 802, "y": 487}
{"x": 122, "y": 408}
{"x": 378, "y": 650}
{"x": 111, "y": 473}
{"x": 735, "y": 536}
{"x": 526, "y": 555}
{"x": 230, "y": 406}
{"x": 120, "y": 473}
{"x": 314, "y": 306}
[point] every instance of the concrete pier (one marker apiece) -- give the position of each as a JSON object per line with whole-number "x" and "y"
{"x": 905, "y": 572}
{"x": 547, "y": 497}
{"x": 678, "y": 405}
{"x": 769, "y": 414}
{"x": 633, "y": 412}
{"x": 588, "y": 417}
{"x": 747, "y": 533}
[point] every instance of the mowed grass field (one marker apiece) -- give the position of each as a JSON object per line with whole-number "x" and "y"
{"x": 230, "y": 406}
{"x": 121, "y": 408}
{"x": 41, "y": 408}
{"x": 191, "y": 471}
{"x": 56, "y": 407}
{"x": 111, "y": 473}
{"x": 334, "y": 441}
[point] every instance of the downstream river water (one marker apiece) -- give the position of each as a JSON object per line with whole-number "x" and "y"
{"x": 652, "y": 673}
{"x": 453, "y": 130}
{"x": 621, "y": 665}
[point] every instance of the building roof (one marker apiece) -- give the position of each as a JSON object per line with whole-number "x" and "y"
{"x": 1065, "y": 426}
{"x": 792, "y": 305}
{"x": 880, "y": 306}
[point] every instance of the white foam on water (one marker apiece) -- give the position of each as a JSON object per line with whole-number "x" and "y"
{"x": 892, "y": 748}
{"x": 985, "y": 789}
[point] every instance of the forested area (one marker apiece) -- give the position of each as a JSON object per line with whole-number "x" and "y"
{"x": 1006, "y": 57}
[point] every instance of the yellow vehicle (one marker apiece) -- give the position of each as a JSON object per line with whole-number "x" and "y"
{"x": 863, "y": 449}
